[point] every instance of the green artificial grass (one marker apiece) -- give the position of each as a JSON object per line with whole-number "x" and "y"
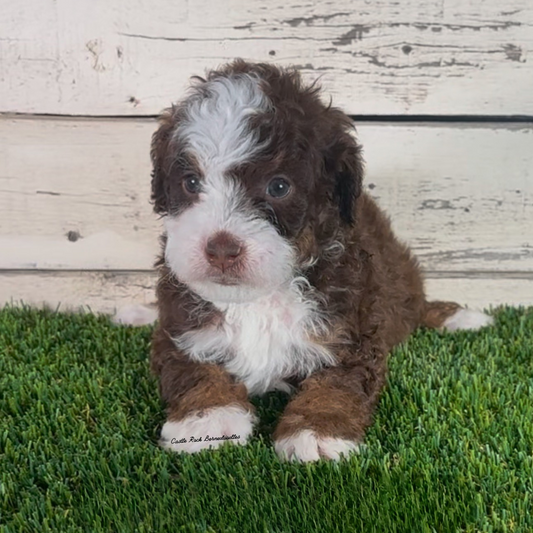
{"x": 450, "y": 450}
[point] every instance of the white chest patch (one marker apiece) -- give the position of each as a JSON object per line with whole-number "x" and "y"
{"x": 264, "y": 341}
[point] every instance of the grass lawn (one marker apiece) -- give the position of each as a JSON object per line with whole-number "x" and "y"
{"x": 451, "y": 448}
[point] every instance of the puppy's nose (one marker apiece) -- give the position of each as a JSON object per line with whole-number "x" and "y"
{"x": 222, "y": 250}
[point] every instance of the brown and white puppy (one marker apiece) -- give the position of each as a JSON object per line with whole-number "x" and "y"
{"x": 277, "y": 271}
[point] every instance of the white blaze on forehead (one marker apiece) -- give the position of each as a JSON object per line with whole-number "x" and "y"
{"x": 216, "y": 127}
{"x": 216, "y": 131}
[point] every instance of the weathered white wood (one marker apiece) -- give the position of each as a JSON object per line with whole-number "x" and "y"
{"x": 93, "y": 57}
{"x": 102, "y": 292}
{"x": 461, "y": 196}
{"x": 79, "y": 179}
{"x": 106, "y": 292}
{"x": 481, "y": 293}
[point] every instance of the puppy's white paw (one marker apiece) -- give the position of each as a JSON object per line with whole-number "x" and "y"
{"x": 306, "y": 446}
{"x": 467, "y": 319}
{"x": 135, "y": 315}
{"x": 195, "y": 432}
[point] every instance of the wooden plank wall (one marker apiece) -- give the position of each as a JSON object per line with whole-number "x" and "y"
{"x": 80, "y": 83}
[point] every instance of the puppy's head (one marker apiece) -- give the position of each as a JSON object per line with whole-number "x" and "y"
{"x": 252, "y": 172}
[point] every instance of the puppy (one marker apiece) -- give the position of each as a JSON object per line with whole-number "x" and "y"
{"x": 277, "y": 270}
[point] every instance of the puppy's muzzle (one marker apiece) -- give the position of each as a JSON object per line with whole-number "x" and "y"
{"x": 223, "y": 251}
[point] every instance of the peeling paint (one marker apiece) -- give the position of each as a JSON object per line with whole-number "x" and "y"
{"x": 436, "y": 204}
{"x": 504, "y": 25}
{"x": 297, "y": 21}
{"x": 244, "y": 26}
{"x": 94, "y": 48}
{"x": 513, "y": 52}
{"x": 307, "y": 66}
{"x": 356, "y": 33}
{"x": 373, "y": 59}
{"x": 479, "y": 254}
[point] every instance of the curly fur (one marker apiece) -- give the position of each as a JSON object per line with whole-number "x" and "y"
{"x": 366, "y": 291}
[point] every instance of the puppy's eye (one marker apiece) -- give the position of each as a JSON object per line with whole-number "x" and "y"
{"x": 278, "y": 187}
{"x": 191, "y": 184}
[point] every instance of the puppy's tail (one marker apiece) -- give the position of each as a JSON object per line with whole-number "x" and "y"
{"x": 136, "y": 315}
{"x": 452, "y": 317}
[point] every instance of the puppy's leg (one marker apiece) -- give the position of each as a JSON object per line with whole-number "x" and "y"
{"x": 451, "y": 316}
{"x": 329, "y": 415}
{"x": 204, "y": 403}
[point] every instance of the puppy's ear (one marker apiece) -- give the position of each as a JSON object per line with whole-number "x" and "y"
{"x": 344, "y": 164}
{"x": 159, "y": 154}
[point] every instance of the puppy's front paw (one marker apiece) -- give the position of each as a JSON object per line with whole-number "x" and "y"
{"x": 307, "y": 446}
{"x": 208, "y": 430}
